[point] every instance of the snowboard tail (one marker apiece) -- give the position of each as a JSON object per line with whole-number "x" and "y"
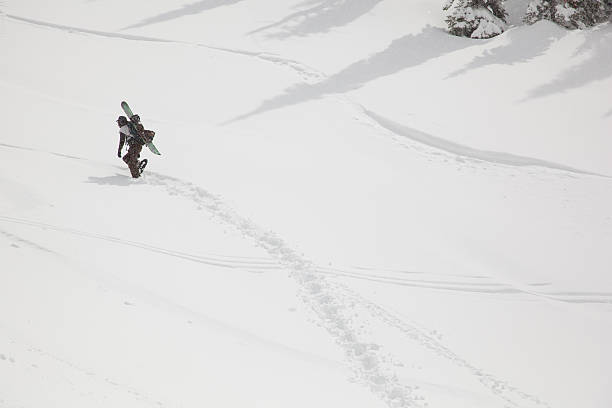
{"x": 152, "y": 148}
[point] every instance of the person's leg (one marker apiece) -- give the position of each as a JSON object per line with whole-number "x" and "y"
{"x": 131, "y": 158}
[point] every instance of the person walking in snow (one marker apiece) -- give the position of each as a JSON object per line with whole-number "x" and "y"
{"x": 134, "y": 134}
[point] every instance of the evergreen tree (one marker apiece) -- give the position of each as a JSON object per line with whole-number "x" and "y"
{"x": 475, "y": 18}
{"x": 539, "y": 10}
{"x": 570, "y": 14}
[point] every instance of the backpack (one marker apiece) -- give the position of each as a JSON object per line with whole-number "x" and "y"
{"x": 136, "y": 134}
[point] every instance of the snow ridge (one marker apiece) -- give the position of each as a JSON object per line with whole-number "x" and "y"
{"x": 492, "y": 157}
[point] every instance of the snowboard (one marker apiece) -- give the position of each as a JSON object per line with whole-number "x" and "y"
{"x": 128, "y": 111}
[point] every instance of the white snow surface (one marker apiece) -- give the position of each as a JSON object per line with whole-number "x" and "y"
{"x": 352, "y": 208}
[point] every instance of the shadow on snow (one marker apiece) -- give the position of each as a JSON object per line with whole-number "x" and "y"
{"x": 457, "y": 149}
{"x": 189, "y": 9}
{"x": 517, "y": 46}
{"x": 406, "y": 52}
{"x": 596, "y": 66}
{"x": 319, "y": 16}
{"x": 116, "y": 180}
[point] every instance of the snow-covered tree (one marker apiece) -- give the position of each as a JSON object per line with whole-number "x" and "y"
{"x": 539, "y": 10}
{"x": 609, "y": 8}
{"x": 569, "y": 13}
{"x": 475, "y": 18}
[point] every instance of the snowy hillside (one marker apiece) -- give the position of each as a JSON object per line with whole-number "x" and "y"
{"x": 352, "y": 208}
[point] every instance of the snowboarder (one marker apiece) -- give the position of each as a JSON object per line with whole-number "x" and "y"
{"x": 136, "y": 136}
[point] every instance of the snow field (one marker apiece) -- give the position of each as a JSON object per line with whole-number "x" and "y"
{"x": 325, "y": 226}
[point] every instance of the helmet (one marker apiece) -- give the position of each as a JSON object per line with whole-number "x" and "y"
{"x": 135, "y": 118}
{"x": 122, "y": 121}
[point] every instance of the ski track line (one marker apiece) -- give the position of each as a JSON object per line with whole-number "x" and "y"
{"x": 71, "y": 29}
{"x": 25, "y": 242}
{"x": 262, "y": 265}
{"x": 256, "y": 264}
{"x": 489, "y": 287}
{"x": 330, "y": 302}
{"x": 306, "y": 73}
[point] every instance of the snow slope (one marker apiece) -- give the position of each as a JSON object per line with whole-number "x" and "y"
{"x": 351, "y": 208}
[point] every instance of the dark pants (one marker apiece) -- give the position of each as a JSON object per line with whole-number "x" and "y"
{"x": 131, "y": 159}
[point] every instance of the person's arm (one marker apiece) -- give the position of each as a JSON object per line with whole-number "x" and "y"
{"x": 121, "y": 143}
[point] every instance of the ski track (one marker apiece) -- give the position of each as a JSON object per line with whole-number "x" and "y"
{"x": 485, "y": 286}
{"x": 15, "y": 238}
{"x": 265, "y": 265}
{"x": 71, "y": 29}
{"x": 231, "y": 262}
{"x": 306, "y": 73}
